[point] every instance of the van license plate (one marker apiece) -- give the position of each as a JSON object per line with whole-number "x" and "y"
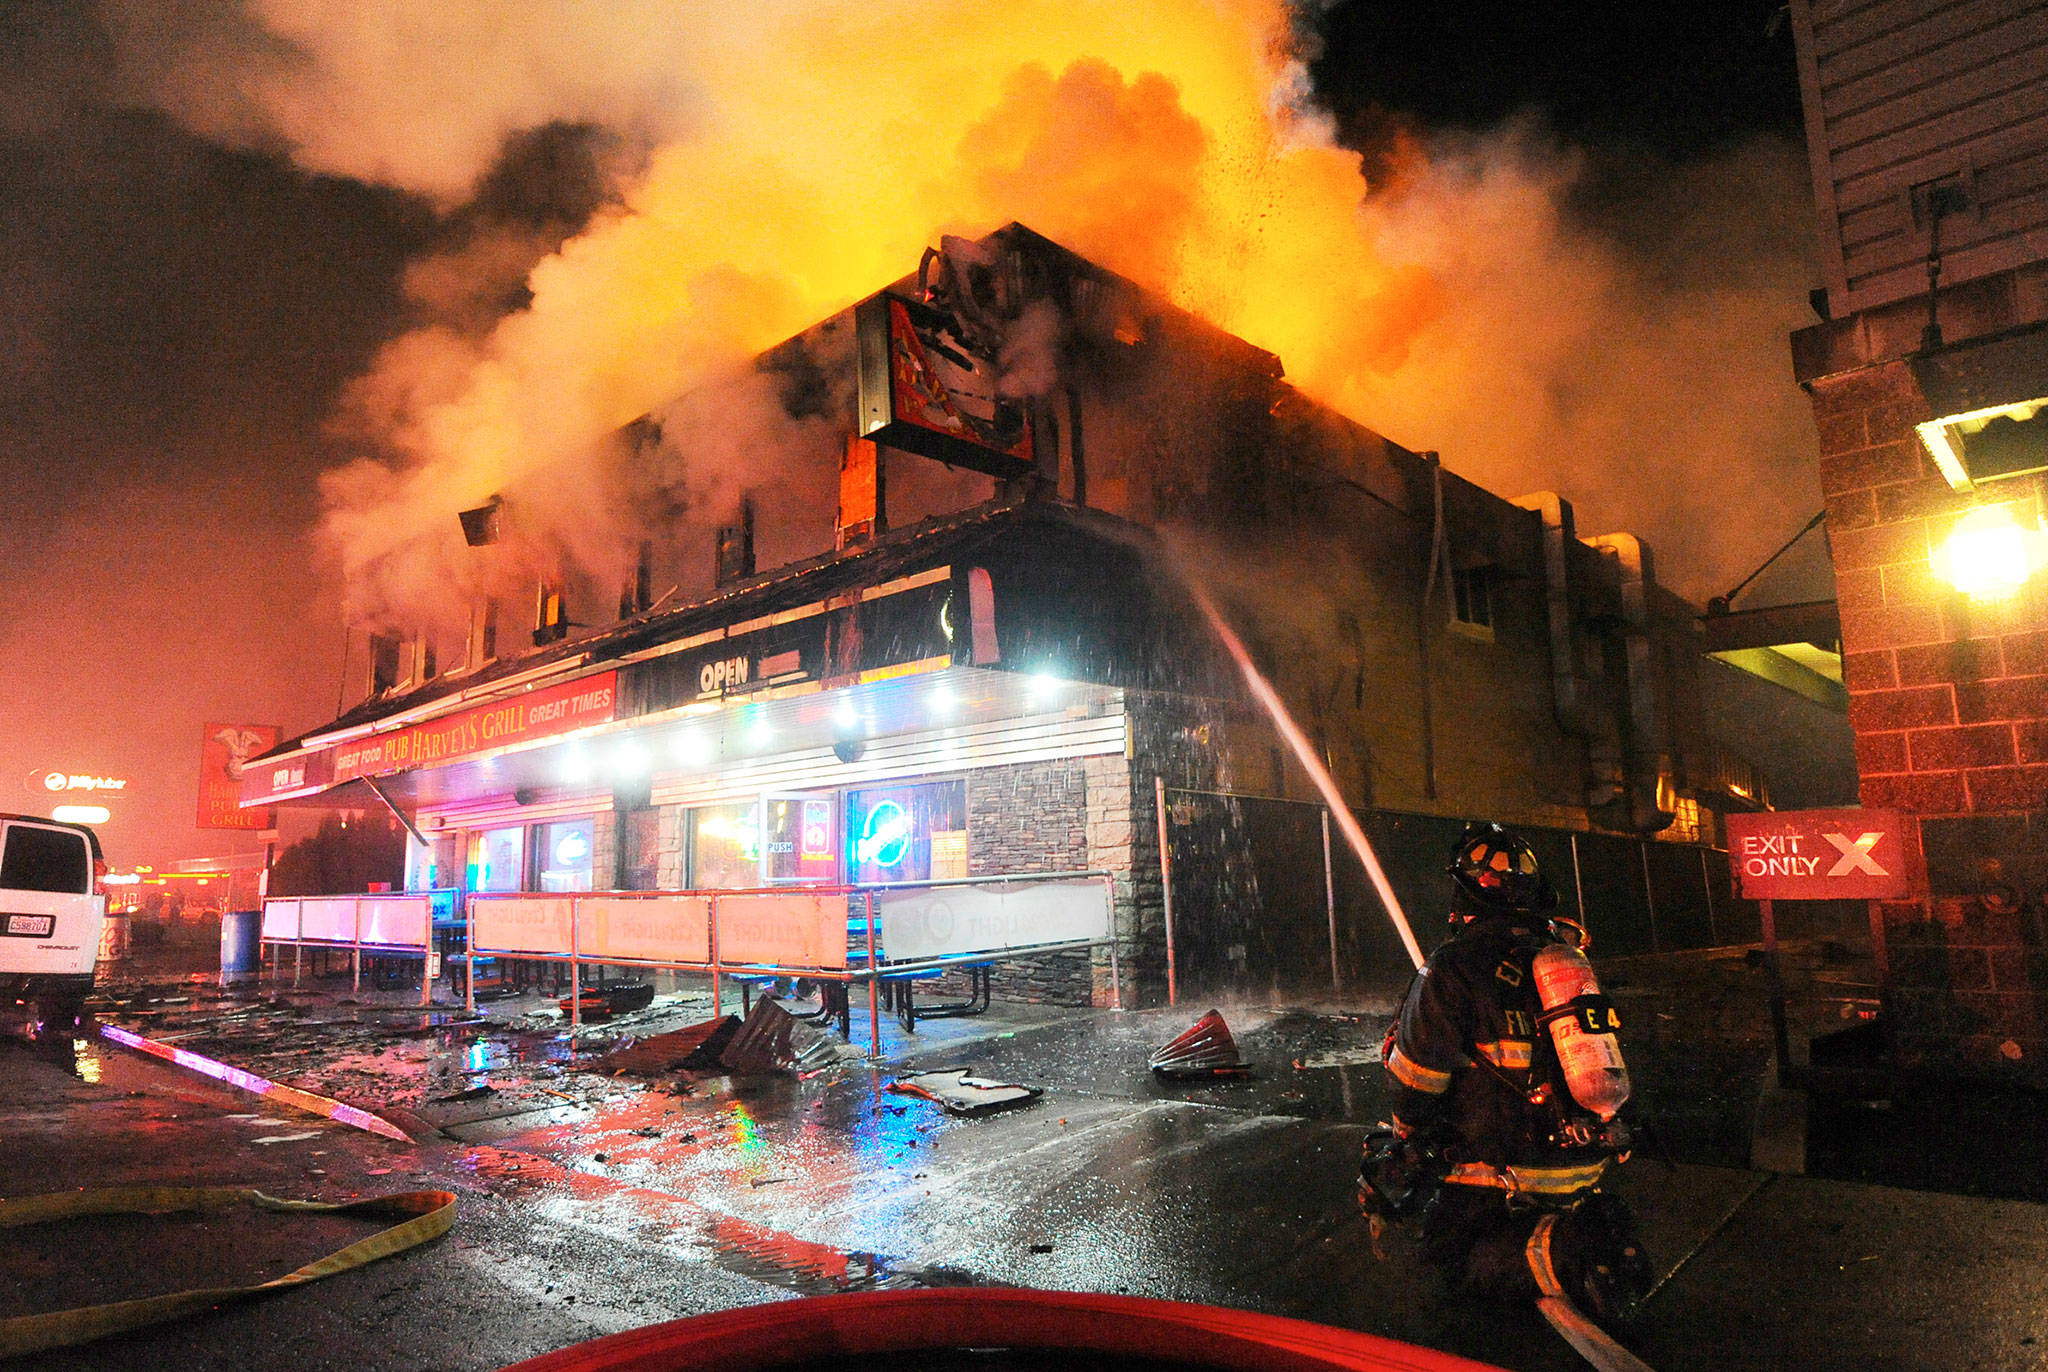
{"x": 31, "y": 926}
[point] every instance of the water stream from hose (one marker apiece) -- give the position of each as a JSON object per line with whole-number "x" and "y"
{"x": 1262, "y": 690}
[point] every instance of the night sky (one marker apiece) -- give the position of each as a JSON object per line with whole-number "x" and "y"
{"x": 178, "y": 318}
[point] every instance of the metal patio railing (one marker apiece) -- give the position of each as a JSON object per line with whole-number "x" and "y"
{"x": 839, "y": 933}
{"x": 380, "y": 923}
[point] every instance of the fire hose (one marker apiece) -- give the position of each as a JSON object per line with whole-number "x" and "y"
{"x": 432, "y": 1214}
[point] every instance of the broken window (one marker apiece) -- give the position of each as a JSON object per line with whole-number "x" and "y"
{"x": 637, "y": 593}
{"x": 483, "y": 632}
{"x": 735, "y": 547}
{"x": 386, "y": 655}
{"x": 550, "y": 620}
{"x": 1472, "y": 598}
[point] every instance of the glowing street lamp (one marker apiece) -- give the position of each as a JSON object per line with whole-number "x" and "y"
{"x": 1990, "y": 553}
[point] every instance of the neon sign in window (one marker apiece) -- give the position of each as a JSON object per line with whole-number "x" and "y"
{"x": 892, "y": 832}
{"x": 884, "y": 837}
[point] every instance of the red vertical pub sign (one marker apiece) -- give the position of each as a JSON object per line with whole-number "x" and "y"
{"x": 223, "y": 751}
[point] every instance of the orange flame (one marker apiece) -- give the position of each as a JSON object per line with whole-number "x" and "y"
{"x": 804, "y": 155}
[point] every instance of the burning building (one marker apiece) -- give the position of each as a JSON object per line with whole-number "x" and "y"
{"x": 1928, "y": 371}
{"x": 956, "y": 640}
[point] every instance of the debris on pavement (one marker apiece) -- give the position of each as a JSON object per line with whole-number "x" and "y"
{"x": 1206, "y": 1049}
{"x": 602, "y": 1002}
{"x": 765, "y": 1042}
{"x": 961, "y": 1093}
{"x": 1342, "y": 1057}
{"x": 697, "y": 1046}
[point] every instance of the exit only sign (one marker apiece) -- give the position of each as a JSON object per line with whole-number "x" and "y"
{"x": 1821, "y": 854}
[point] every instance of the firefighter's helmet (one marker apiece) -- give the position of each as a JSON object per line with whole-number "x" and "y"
{"x": 1497, "y": 869}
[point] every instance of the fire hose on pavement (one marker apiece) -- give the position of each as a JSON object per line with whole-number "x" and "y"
{"x": 431, "y": 1214}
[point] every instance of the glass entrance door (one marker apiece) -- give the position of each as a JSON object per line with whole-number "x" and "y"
{"x": 800, "y": 838}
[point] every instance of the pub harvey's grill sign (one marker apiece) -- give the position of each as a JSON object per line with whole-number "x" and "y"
{"x": 538, "y": 714}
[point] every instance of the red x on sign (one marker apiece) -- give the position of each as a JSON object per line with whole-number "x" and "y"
{"x": 1820, "y": 855}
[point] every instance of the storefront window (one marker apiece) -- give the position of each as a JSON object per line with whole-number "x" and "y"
{"x": 801, "y": 839}
{"x": 431, "y": 867}
{"x": 725, "y": 847}
{"x": 907, "y": 833}
{"x": 563, "y": 853}
{"x": 494, "y": 859}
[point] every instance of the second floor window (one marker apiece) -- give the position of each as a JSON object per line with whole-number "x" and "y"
{"x": 1472, "y": 598}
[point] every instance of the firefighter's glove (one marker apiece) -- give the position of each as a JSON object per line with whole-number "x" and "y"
{"x": 1398, "y": 1176}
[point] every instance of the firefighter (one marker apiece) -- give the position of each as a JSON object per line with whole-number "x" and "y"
{"x": 1508, "y": 1083}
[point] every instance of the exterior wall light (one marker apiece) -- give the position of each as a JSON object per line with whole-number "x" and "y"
{"x": 1990, "y": 553}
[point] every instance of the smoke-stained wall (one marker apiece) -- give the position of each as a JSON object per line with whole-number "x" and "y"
{"x": 1404, "y": 612}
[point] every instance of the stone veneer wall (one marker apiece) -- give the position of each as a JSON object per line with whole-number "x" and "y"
{"x": 1031, "y": 817}
{"x": 669, "y": 864}
{"x": 1114, "y": 846}
{"x": 1949, "y": 700}
{"x": 604, "y": 849}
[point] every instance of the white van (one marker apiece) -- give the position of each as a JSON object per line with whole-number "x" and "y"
{"x": 52, "y": 904}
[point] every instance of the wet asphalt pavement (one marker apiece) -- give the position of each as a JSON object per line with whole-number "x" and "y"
{"x": 590, "y": 1204}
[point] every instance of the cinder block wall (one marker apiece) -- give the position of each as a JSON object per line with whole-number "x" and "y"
{"x": 1949, "y": 700}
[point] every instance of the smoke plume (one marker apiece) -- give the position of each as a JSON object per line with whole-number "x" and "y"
{"x": 779, "y": 162}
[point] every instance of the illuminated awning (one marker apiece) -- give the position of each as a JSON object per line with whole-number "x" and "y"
{"x": 1990, "y": 402}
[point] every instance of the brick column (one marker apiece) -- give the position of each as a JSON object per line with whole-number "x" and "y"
{"x": 1949, "y": 699}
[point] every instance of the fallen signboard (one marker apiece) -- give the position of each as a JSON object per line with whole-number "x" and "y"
{"x": 963, "y": 1093}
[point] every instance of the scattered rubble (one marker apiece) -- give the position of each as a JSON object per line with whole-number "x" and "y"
{"x": 603, "y": 1002}
{"x": 1340, "y": 1057}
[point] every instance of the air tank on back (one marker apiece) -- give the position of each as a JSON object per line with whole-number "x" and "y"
{"x": 1582, "y": 1026}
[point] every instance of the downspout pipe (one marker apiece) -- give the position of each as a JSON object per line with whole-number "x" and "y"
{"x": 1649, "y": 748}
{"x": 1568, "y": 689}
{"x": 1578, "y": 715}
